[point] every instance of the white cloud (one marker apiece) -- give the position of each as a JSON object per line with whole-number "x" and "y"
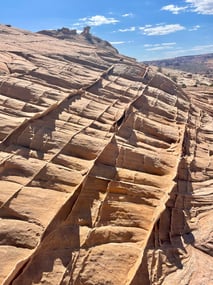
{"x": 194, "y": 28}
{"x": 160, "y": 30}
{"x": 131, "y": 29}
{"x": 77, "y": 24}
{"x": 97, "y": 20}
{"x": 127, "y": 15}
{"x": 199, "y": 49}
{"x": 161, "y": 46}
{"x": 117, "y": 43}
{"x": 174, "y": 9}
{"x": 79, "y": 31}
{"x": 206, "y": 48}
{"x": 121, "y": 42}
{"x": 204, "y": 7}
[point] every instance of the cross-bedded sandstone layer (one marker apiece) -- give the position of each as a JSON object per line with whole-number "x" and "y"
{"x": 106, "y": 168}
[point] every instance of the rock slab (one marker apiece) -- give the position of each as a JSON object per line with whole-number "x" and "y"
{"x": 106, "y": 168}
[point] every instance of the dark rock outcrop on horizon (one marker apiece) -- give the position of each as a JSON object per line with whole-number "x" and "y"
{"x": 106, "y": 168}
{"x": 84, "y": 37}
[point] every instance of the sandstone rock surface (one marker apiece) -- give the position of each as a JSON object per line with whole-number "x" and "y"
{"x": 106, "y": 168}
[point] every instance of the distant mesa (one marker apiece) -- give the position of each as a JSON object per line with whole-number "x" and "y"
{"x": 201, "y": 64}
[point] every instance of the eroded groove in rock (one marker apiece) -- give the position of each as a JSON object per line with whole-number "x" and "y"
{"x": 181, "y": 242}
{"x": 100, "y": 157}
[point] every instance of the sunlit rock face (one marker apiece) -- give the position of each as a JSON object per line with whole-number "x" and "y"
{"x": 106, "y": 168}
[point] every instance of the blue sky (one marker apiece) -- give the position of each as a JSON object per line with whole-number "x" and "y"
{"x": 142, "y": 29}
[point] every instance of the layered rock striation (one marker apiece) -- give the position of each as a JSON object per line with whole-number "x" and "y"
{"x": 106, "y": 168}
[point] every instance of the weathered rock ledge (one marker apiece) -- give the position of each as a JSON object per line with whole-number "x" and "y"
{"x": 106, "y": 168}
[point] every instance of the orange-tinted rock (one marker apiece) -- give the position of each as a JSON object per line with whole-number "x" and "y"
{"x": 106, "y": 168}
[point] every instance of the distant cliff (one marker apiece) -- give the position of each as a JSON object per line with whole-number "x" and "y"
{"x": 202, "y": 64}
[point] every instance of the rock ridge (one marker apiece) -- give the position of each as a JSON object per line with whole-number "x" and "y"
{"x": 106, "y": 167}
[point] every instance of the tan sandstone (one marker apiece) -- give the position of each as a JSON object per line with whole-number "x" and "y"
{"x": 106, "y": 167}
